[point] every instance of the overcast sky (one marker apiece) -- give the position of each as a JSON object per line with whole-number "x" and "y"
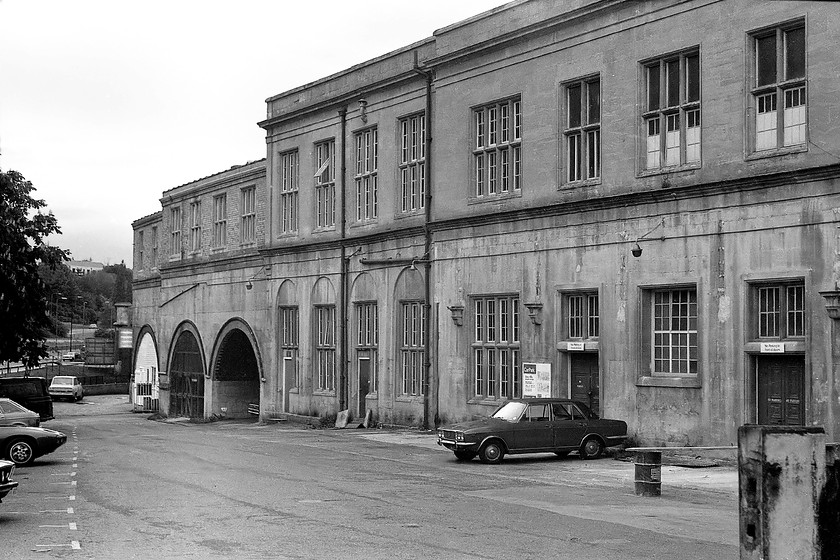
{"x": 104, "y": 104}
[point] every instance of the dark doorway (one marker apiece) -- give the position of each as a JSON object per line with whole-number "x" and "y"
{"x": 586, "y": 383}
{"x": 781, "y": 390}
{"x": 364, "y": 384}
{"x": 236, "y": 376}
{"x": 186, "y": 375}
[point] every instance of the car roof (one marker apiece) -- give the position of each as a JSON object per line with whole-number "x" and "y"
{"x": 543, "y": 400}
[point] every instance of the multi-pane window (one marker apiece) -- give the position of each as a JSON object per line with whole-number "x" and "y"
{"x": 290, "y": 337}
{"x": 780, "y": 78}
{"x": 325, "y": 184}
{"x": 195, "y": 226}
{"x": 288, "y": 179}
{"x": 496, "y": 348}
{"x": 367, "y": 147}
{"x": 154, "y": 246}
{"x": 140, "y": 242}
{"x": 248, "y": 210}
{"x": 325, "y": 347}
{"x": 675, "y": 332}
{"x": 672, "y": 110}
{"x": 175, "y": 230}
{"x": 412, "y": 349}
{"x": 412, "y": 162}
{"x": 497, "y": 149}
{"x": 367, "y": 338}
{"x": 781, "y": 310}
{"x": 220, "y": 220}
{"x": 582, "y": 310}
{"x": 583, "y": 130}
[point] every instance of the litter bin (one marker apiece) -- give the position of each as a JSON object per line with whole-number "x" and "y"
{"x": 648, "y": 473}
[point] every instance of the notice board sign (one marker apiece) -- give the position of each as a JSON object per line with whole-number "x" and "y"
{"x": 536, "y": 380}
{"x": 125, "y": 338}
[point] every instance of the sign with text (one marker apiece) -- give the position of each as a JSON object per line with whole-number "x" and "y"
{"x": 536, "y": 380}
{"x": 126, "y": 339}
{"x": 575, "y": 346}
{"x": 772, "y": 347}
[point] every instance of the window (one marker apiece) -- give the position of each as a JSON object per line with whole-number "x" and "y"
{"x": 175, "y": 230}
{"x": 220, "y": 220}
{"x": 672, "y": 104}
{"x": 780, "y": 310}
{"x": 779, "y": 79}
{"x": 497, "y": 152}
{"x": 583, "y": 130}
{"x": 674, "y": 332}
{"x": 412, "y": 163}
{"x": 195, "y": 226}
{"x": 289, "y": 339}
{"x": 412, "y": 349}
{"x": 367, "y": 339}
{"x": 288, "y": 192}
{"x": 140, "y": 250}
{"x": 496, "y": 359}
{"x": 154, "y": 246}
{"x": 325, "y": 184}
{"x": 582, "y": 315}
{"x": 248, "y": 206}
{"x": 325, "y": 347}
{"x": 367, "y": 148}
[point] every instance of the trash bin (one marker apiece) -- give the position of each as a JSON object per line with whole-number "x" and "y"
{"x": 648, "y": 473}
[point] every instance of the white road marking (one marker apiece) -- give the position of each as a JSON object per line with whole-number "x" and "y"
{"x": 71, "y": 526}
{"x": 68, "y": 510}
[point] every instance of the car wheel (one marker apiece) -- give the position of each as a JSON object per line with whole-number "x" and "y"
{"x": 592, "y": 448}
{"x": 465, "y": 455}
{"x": 492, "y": 452}
{"x": 561, "y": 453}
{"x": 20, "y": 452}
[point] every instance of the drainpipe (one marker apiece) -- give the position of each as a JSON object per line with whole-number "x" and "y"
{"x": 342, "y": 374}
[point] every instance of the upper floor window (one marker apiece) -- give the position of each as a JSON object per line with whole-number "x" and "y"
{"x": 780, "y": 310}
{"x": 248, "y": 223}
{"x": 195, "y": 226}
{"x": 154, "y": 246}
{"x": 220, "y": 220}
{"x": 288, "y": 178}
{"x": 140, "y": 243}
{"x": 497, "y": 150}
{"x": 496, "y": 348}
{"x": 367, "y": 156}
{"x": 672, "y": 104}
{"x": 779, "y": 79}
{"x": 412, "y": 163}
{"x": 175, "y": 230}
{"x": 325, "y": 184}
{"x": 583, "y": 130}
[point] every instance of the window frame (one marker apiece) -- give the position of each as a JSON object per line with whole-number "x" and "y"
{"x": 289, "y": 337}
{"x": 412, "y": 349}
{"x": 782, "y": 317}
{"x": 496, "y": 347}
{"x": 496, "y": 148}
{"x": 324, "y": 348}
{"x": 324, "y": 184}
{"x": 288, "y": 186}
{"x": 140, "y": 242}
{"x": 367, "y": 339}
{"x": 585, "y": 166}
{"x": 412, "y": 163}
{"x": 220, "y": 219}
{"x": 589, "y": 327}
{"x": 248, "y": 215}
{"x": 195, "y": 226}
{"x": 366, "y": 174}
{"x": 154, "y": 247}
{"x": 175, "y": 230}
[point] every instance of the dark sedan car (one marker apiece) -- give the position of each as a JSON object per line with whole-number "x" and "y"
{"x": 6, "y": 482}
{"x": 22, "y": 445}
{"x": 534, "y": 426}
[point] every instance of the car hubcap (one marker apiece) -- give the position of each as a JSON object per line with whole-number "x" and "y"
{"x": 492, "y": 452}
{"x": 20, "y": 453}
{"x": 591, "y": 447}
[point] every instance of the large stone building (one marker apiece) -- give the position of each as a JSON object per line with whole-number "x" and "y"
{"x": 638, "y": 201}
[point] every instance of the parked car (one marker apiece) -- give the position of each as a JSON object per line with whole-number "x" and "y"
{"x": 29, "y": 392}
{"x": 7, "y": 468}
{"x": 534, "y": 426}
{"x": 13, "y": 414}
{"x": 66, "y": 387}
{"x": 22, "y": 444}
{"x": 71, "y": 357}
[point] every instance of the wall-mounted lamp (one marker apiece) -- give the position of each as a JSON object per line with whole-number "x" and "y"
{"x": 636, "y": 249}
{"x": 457, "y": 312}
{"x": 832, "y": 303}
{"x": 535, "y": 312}
{"x": 249, "y": 284}
{"x": 363, "y": 109}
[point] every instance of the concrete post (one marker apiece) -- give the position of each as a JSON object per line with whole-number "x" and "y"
{"x": 782, "y": 474}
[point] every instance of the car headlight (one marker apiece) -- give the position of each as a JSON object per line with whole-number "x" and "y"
{"x": 459, "y": 436}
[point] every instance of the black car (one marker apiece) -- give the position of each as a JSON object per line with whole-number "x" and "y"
{"x": 534, "y": 426}
{"x": 29, "y": 392}
{"x": 22, "y": 444}
{"x": 6, "y": 482}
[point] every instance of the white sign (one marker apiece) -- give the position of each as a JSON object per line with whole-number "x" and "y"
{"x": 772, "y": 347}
{"x": 536, "y": 380}
{"x": 574, "y": 346}
{"x": 126, "y": 338}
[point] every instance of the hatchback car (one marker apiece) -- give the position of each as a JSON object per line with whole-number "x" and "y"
{"x": 22, "y": 445}
{"x": 66, "y": 387}
{"x": 13, "y": 414}
{"x": 7, "y": 468}
{"x": 534, "y": 426}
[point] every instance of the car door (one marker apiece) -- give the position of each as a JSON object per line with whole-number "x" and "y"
{"x": 533, "y": 431}
{"x": 569, "y": 426}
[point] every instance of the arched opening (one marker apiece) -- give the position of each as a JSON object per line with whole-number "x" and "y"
{"x": 186, "y": 375}
{"x": 236, "y": 375}
{"x": 144, "y": 388}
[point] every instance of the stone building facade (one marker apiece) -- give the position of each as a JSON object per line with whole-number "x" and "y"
{"x": 637, "y": 200}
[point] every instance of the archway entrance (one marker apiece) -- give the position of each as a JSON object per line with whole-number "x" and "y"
{"x": 186, "y": 376}
{"x": 236, "y": 375}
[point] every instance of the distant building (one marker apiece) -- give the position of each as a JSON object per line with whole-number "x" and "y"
{"x": 81, "y": 268}
{"x": 638, "y": 198}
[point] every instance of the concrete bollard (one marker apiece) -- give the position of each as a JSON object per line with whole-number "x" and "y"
{"x": 781, "y": 477}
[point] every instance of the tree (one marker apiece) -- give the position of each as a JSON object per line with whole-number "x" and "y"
{"x": 24, "y": 299}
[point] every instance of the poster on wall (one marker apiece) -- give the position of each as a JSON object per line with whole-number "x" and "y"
{"x": 536, "y": 380}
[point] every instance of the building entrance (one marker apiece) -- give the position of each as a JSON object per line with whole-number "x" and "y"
{"x": 585, "y": 375}
{"x": 186, "y": 375}
{"x": 781, "y": 390}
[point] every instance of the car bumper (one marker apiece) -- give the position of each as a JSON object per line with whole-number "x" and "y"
{"x": 7, "y": 487}
{"x": 49, "y": 445}
{"x": 458, "y": 445}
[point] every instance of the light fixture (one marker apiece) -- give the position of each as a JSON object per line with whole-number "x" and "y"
{"x": 636, "y": 249}
{"x": 263, "y": 269}
{"x": 249, "y": 285}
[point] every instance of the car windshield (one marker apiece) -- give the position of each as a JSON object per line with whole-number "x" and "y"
{"x": 62, "y": 381}
{"x": 510, "y": 412}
